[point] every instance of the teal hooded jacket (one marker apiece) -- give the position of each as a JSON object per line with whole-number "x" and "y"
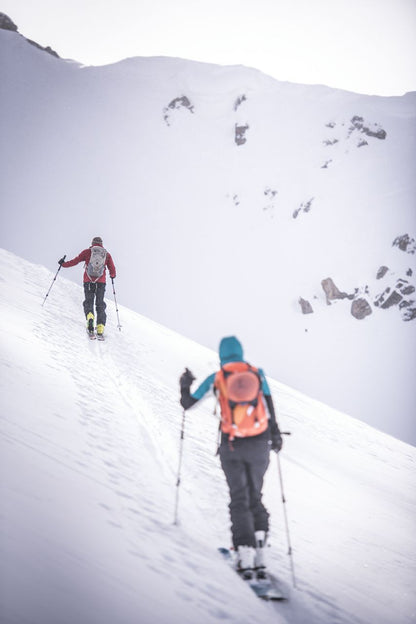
{"x": 230, "y": 350}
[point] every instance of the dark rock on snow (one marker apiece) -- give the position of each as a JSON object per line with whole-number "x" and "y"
{"x": 332, "y": 292}
{"x": 360, "y": 308}
{"x": 306, "y": 306}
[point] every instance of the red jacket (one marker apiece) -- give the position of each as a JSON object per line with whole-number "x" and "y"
{"x": 85, "y": 256}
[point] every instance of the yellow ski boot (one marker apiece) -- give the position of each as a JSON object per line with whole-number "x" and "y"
{"x": 90, "y": 325}
{"x": 100, "y": 331}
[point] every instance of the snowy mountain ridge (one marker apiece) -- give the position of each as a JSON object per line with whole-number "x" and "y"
{"x": 89, "y": 446}
{"x": 226, "y": 199}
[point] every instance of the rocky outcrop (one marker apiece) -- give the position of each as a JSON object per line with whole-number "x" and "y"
{"x": 358, "y": 123}
{"x": 304, "y": 207}
{"x": 382, "y": 272}
{"x": 400, "y": 294}
{"x": 6, "y": 23}
{"x": 405, "y": 243}
{"x": 305, "y": 306}
{"x": 239, "y": 101}
{"x": 332, "y": 292}
{"x": 360, "y": 308}
{"x": 240, "y": 132}
{"x": 349, "y": 133}
{"x": 176, "y": 104}
{"x": 270, "y": 193}
{"x": 388, "y": 299}
{"x": 47, "y": 49}
{"x": 408, "y": 310}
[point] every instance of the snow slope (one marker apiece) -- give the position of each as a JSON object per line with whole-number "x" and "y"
{"x": 89, "y": 455}
{"x": 202, "y": 230}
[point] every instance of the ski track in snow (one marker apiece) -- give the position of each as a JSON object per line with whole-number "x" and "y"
{"x": 90, "y": 447}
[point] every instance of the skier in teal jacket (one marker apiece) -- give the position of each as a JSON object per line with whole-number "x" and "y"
{"x": 244, "y": 461}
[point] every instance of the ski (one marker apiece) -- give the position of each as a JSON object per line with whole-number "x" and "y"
{"x": 100, "y": 337}
{"x": 264, "y": 588}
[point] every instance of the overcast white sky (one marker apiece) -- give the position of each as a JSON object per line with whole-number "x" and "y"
{"x": 366, "y": 46}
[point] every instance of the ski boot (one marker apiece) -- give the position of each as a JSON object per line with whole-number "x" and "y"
{"x": 90, "y": 324}
{"x": 260, "y": 559}
{"x": 245, "y": 565}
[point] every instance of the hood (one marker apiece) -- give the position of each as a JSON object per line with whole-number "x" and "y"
{"x": 230, "y": 350}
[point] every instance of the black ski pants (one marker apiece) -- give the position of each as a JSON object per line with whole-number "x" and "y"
{"x": 244, "y": 463}
{"x": 95, "y": 292}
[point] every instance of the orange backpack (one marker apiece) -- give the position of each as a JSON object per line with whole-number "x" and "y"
{"x": 243, "y": 413}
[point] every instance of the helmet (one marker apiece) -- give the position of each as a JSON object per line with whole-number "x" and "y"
{"x": 97, "y": 240}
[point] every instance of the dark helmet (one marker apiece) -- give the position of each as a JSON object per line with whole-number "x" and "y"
{"x": 97, "y": 240}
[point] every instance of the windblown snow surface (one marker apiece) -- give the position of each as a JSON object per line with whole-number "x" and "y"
{"x": 90, "y": 438}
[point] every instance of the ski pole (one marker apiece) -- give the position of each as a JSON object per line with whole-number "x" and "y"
{"x": 56, "y": 275}
{"x": 178, "y": 480}
{"x": 115, "y": 301}
{"x": 290, "y": 553}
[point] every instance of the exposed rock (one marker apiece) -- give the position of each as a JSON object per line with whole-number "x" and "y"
{"x": 410, "y": 312}
{"x": 48, "y": 49}
{"x": 409, "y": 272}
{"x": 239, "y": 101}
{"x": 405, "y": 243}
{"x": 6, "y": 23}
{"x": 332, "y": 292}
{"x": 270, "y": 192}
{"x": 360, "y": 308}
{"x": 381, "y": 272}
{"x": 392, "y": 300}
{"x": 407, "y": 290}
{"x": 306, "y": 306}
{"x": 179, "y": 102}
{"x": 240, "y": 131}
{"x": 304, "y": 207}
{"x": 359, "y": 124}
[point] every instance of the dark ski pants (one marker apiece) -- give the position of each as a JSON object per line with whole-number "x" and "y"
{"x": 95, "y": 291}
{"x": 244, "y": 465}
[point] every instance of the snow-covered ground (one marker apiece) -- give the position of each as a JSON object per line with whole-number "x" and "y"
{"x": 89, "y": 455}
{"x": 202, "y": 230}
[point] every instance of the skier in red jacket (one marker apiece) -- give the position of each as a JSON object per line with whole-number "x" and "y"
{"x": 96, "y": 260}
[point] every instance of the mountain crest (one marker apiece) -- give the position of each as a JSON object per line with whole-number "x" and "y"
{"x": 6, "y": 23}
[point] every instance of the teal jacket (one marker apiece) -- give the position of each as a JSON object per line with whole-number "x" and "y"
{"x": 230, "y": 350}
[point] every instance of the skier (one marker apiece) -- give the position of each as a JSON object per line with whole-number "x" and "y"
{"x": 244, "y": 450}
{"x": 96, "y": 260}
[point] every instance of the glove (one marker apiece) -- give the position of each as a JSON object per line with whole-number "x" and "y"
{"x": 61, "y": 261}
{"x": 276, "y": 442}
{"x": 186, "y": 379}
